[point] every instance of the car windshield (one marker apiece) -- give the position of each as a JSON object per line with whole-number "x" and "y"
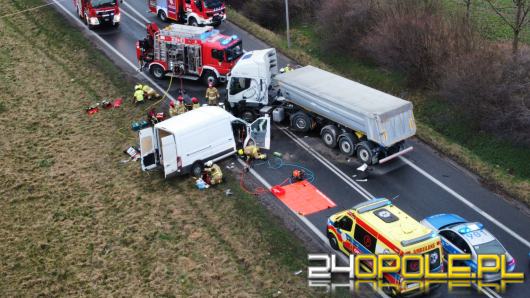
{"x": 492, "y": 247}
{"x": 234, "y": 52}
{"x": 102, "y": 3}
{"x": 212, "y": 3}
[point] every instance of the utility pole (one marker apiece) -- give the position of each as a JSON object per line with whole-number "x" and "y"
{"x": 287, "y": 22}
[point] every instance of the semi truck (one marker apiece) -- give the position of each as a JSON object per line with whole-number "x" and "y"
{"x": 188, "y": 52}
{"x": 191, "y": 12}
{"x": 98, "y": 12}
{"x": 360, "y": 120}
{"x": 183, "y": 144}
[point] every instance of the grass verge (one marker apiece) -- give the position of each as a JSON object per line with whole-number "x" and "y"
{"x": 481, "y": 155}
{"x": 76, "y": 221}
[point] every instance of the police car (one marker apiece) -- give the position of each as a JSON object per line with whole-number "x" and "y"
{"x": 462, "y": 237}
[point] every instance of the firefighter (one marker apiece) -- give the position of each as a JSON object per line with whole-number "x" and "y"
{"x": 212, "y": 95}
{"x": 213, "y": 173}
{"x": 285, "y": 69}
{"x": 150, "y": 93}
{"x": 181, "y": 108}
{"x": 196, "y": 103}
{"x": 172, "y": 109}
{"x": 138, "y": 93}
{"x": 251, "y": 152}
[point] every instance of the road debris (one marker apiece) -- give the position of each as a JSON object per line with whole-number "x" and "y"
{"x": 298, "y": 272}
{"x": 200, "y": 184}
{"x": 228, "y": 192}
{"x": 361, "y": 180}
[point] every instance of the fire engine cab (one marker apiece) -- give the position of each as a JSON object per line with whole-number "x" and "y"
{"x": 188, "y": 52}
{"x": 98, "y": 12}
{"x": 191, "y": 12}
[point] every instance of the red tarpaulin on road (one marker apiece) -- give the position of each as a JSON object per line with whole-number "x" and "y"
{"x": 303, "y": 197}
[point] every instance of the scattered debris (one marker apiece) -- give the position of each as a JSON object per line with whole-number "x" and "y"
{"x": 298, "y": 272}
{"x": 228, "y": 192}
{"x": 361, "y": 180}
{"x": 231, "y": 166}
{"x": 133, "y": 152}
{"x": 201, "y": 184}
{"x": 277, "y": 154}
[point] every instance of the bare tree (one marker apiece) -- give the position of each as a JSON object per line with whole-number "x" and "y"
{"x": 515, "y": 16}
{"x": 468, "y": 9}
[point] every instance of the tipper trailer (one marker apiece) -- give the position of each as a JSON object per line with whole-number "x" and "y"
{"x": 358, "y": 119}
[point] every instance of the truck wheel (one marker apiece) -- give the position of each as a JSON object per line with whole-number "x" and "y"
{"x": 301, "y": 122}
{"x": 193, "y": 22}
{"x": 196, "y": 169}
{"x": 347, "y": 144}
{"x": 364, "y": 153}
{"x": 209, "y": 76}
{"x": 162, "y": 15}
{"x": 248, "y": 116}
{"x": 329, "y": 135}
{"x": 333, "y": 241}
{"x": 158, "y": 72}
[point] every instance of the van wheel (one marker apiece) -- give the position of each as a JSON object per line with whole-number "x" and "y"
{"x": 347, "y": 144}
{"x": 329, "y": 135}
{"x": 300, "y": 122}
{"x": 209, "y": 76}
{"x": 193, "y": 22}
{"x": 158, "y": 72}
{"x": 248, "y": 116}
{"x": 162, "y": 15}
{"x": 333, "y": 241}
{"x": 196, "y": 169}
{"x": 364, "y": 153}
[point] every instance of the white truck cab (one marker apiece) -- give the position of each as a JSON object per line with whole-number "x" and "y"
{"x": 184, "y": 143}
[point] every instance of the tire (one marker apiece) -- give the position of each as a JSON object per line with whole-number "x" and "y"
{"x": 158, "y": 72}
{"x": 347, "y": 144}
{"x": 196, "y": 169}
{"x": 364, "y": 153}
{"x": 208, "y": 76}
{"x": 116, "y": 26}
{"x": 162, "y": 16}
{"x": 248, "y": 116}
{"x": 333, "y": 241}
{"x": 329, "y": 135}
{"x": 301, "y": 122}
{"x": 193, "y": 22}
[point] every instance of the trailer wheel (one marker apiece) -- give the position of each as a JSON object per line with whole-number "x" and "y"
{"x": 196, "y": 169}
{"x": 329, "y": 135}
{"x": 347, "y": 144}
{"x": 158, "y": 72}
{"x": 300, "y": 121}
{"x": 333, "y": 241}
{"x": 162, "y": 15}
{"x": 209, "y": 76}
{"x": 193, "y": 22}
{"x": 364, "y": 153}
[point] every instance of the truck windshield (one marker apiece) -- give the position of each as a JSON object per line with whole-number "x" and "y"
{"x": 212, "y": 3}
{"x": 234, "y": 52}
{"x": 102, "y": 3}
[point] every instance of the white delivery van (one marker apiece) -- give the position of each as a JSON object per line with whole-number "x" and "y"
{"x": 184, "y": 143}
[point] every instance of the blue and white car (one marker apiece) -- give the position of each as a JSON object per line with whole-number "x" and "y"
{"x": 462, "y": 237}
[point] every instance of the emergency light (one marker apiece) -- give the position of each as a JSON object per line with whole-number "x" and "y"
{"x": 470, "y": 228}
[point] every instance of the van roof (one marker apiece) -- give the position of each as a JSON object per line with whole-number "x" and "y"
{"x": 194, "y": 120}
{"x": 391, "y": 222}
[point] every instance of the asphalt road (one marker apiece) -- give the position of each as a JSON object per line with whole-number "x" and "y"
{"x": 423, "y": 183}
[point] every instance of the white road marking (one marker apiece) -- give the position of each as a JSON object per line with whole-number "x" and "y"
{"x": 115, "y": 51}
{"x": 137, "y": 12}
{"x": 132, "y": 18}
{"x": 465, "y": 201}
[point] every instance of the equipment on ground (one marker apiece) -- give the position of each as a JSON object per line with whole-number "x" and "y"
{"x": 188, "y": 52}
{"x": 358, "y": 119}
{"x": 98, "y": 12}
{"x": 182, "y": 144}
{"x": 191, "y": 12}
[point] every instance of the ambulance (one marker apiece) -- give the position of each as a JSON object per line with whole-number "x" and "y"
{"x": 379, "y": 227}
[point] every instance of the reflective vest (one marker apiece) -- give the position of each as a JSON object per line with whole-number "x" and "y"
{"x": 216, "y": 175}
{"x": 150, "y": 91}
{"x": 181, "y": 108}
{"x": 173, "y": 111}
{"x": 139, "y": 95}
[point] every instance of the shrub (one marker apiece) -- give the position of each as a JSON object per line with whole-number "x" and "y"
{"x": 271, "y": 13}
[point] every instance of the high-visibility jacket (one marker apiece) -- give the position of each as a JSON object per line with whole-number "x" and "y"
{"x": 139, "y": 95}
{"x": 149, "y": 91}
{"x": 196, "y": 106}
{"x": 216, "y": 175}
{"x": 181, "y": 108}
{"x": 173, "y": 111}
{"x": 253, "y": 152}
{"x": 212, "y": 95}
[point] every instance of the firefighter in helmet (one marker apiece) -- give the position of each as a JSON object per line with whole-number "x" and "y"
{"x": 196, "y": 103}
{"x": 251, "y": 152}
{"x": 138, "y": 93}
{"x": 150, "y": 92}
{"x": 212, "y": 95}
{"x": 285, "y": 69}
{"x": 213, "y": 173}
{"x": 181, "y": 108}
{"x": 172, "y": 109}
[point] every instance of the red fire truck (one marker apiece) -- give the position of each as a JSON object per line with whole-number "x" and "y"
{"x": 191, "y": 12}
{"x": 98, "y": 12}
{"x": 188, "y": 52}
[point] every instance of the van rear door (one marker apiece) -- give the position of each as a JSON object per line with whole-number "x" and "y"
{"x": 260, "y": 132}
{"x": 148, "y": 149}
{"x": 169, "y": 155}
